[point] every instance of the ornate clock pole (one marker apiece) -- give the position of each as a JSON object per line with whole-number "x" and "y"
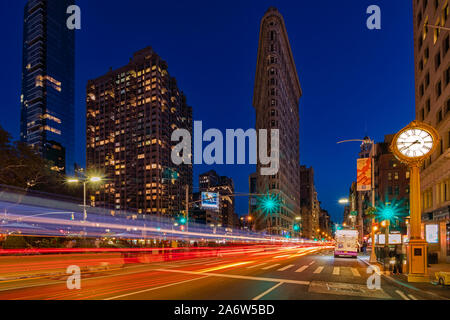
{"x": 412, "y": 145}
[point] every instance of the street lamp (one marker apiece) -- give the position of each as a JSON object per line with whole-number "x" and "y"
{"x": 84, "y": 180}
{"x": 343, "y": 201}
{"x": 373, "y": 258}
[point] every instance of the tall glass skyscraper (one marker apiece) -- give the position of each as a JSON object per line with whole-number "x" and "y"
{"x": 48, "y": 76}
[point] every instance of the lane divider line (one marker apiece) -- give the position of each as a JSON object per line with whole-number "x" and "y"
{"x": 336, "y": 271}
{"x": 235, "y": 276}
{"x": 156, "y": 288}
{"x": 267, "y": 291}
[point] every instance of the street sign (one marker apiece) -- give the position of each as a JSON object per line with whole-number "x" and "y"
{"x": 354, "y": 213}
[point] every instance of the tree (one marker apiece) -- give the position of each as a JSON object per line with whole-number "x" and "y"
{"x": 22, "y": 167}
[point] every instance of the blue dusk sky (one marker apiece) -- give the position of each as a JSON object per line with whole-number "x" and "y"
{"x": 355, "y": 81}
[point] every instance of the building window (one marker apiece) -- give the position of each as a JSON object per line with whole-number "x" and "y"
{"x": 436, "y": 32}
{"x": 439, "y": 88}
{"x": 439, "y": 116}
{"x": 447, "y": 76}
{"x": 396, "y": 176}
{"x": 444, "y": 14}
{"x": 389, "y": 176}
{"x": 437, "y": 60}
{"x": 446, "y": 44}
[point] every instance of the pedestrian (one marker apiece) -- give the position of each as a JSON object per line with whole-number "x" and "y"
{"x": 398, "y": 260}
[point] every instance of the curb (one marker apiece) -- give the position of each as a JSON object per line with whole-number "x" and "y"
{"x": 405, "y": 284}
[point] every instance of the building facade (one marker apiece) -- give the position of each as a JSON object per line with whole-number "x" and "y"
{"x": 432, "y": 80}
{"x": 48, "y": 81}
{"x": 276, "y": 99}
{"x": 309, "y": 204}
{"x": 131, "y": 114}
{"x": 212, "y": 182}
{"x": 325, "y": 223}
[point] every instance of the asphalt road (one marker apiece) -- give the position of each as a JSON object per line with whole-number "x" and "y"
{"x": 283, "y": 274}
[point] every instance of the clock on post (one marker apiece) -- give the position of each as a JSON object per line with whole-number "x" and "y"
{"x": 412, "y": 145}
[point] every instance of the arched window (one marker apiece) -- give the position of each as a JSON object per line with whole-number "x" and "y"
{"x": 272, "y": 35}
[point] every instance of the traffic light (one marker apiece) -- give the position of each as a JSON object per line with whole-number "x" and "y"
{"x": 183, "y": 220}
{"x": 269, "y": 203}
{"x": 296, "y": 227}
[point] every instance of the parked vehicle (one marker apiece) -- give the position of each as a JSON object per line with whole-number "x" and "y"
{"x": 443, "y": 278}
{"x": 346, "y": 243}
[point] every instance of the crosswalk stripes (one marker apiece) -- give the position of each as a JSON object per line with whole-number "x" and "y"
{"x": 412, "y": 297}
{"x": 318, "y": 270}
{"x": 301, "y": 269}
{"x": 286, "y": 267}
{"x": 401, "y": 294}
{"x": 334, "y": 270}
{"x": 270, "y": 267}
{"x": 356, "y": 272}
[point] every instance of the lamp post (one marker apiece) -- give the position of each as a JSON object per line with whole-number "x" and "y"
{"x": 373, "y": 257}
{"x": 84, "y": 180}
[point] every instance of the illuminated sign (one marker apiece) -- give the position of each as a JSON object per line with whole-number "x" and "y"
{"x": 210, "y": 200}
{"x": 364, "y": 175}
{"x": 432, "y": 233}
{"x": 394, "y": 238}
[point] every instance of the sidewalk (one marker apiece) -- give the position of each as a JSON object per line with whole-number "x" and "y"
{"x": 432, "y": 288}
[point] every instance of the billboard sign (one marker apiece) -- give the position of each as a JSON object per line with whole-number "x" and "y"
{"x": 394, "y": 238}
{"x": 364, "y": 174}
{"x": 432, "y": 233}
{"x": 210, "y": 200}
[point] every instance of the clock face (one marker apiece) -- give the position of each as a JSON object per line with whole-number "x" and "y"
{"x": 415, "y": 143}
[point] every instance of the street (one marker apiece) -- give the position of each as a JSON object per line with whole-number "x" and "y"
{"x": 281, "y": 274}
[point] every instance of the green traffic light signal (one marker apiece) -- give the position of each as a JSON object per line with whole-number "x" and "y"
{"x": 296, "y": 227}
{"x": 183, "y": 220}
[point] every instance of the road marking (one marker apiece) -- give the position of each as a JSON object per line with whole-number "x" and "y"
{"x": 412, "y": 297}
{"x": 151, "y": 289}
{"x": 401, "y": 294}
{"x": 356, "y": 272}
{"x": 235, "y": 276}
{"x": 318, "y": 270}
{"x": 226, "y": 266}
{"x": 302, "y": 269}
{"x": 267, "y": 291}
{"x": 270, "y": 267}
{"x": 336, "y": 271}
{"x": 312, "y": 263}
{"x": 286, "y": 267}
{"x": 257, "y": 265}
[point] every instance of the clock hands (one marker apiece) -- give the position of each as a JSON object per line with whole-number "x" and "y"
{"x": 407, "y": 147}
